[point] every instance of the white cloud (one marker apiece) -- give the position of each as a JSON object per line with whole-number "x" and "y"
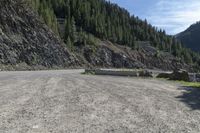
{"x": 174, "y": 15}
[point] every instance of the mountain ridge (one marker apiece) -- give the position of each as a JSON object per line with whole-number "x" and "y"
{"x": 191, "y": 37}
{"x": 27, "y": 43}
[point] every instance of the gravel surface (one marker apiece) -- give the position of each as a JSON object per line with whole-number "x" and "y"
{"x": 67, "y": 102}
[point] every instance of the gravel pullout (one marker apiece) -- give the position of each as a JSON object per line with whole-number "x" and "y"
{"x": 68, "y": 102}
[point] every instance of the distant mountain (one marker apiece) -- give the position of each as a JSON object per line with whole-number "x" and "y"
{"x": 191, "y": 37}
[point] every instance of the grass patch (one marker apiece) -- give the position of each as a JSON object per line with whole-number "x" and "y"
{"x": 190, "y": 84}
{"x": 183, "y": 83}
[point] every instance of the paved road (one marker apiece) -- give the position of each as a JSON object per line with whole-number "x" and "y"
{"x": 68, "y": 102}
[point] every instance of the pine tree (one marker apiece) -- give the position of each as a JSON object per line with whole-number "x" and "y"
{"x": 73, "y": 33}
{"x": 67, "y": 29}
{"x": 69, "y": 43}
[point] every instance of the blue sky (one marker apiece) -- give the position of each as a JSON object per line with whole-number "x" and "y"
{"x": 173, "y": 16}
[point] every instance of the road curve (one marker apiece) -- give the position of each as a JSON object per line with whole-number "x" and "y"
{"x": 67, "y": 102}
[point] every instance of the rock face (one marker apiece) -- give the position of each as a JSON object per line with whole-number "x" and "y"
{"x": 109, "y": 55}
{"x": 24, "y": 39}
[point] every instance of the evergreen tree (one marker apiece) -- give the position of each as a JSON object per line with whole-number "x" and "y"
{"x": 67, "y": 29}
{"x": 69, "y": 43}
{"x": 73, "y": 33}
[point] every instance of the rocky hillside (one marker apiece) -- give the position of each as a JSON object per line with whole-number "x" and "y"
{"x": 109, "y": 55}
{"x": 26, "y": 42}
{"x": 191, "y": 37}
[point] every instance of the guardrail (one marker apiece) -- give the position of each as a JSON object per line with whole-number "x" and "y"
{"x": 117, "y": 73}
{"x": 114, "y": 72}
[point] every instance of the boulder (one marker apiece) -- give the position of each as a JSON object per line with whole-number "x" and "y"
{"x": 181, "y": 75}
{"x": 145, "y": 73}
{"x": 197, "y": 76}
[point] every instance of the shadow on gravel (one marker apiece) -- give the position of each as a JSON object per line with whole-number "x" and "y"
{"x": 191, "y": 97}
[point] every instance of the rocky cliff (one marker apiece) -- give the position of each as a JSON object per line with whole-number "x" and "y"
{"x": 108, "y": 55}
{"x": 25, "y": 41}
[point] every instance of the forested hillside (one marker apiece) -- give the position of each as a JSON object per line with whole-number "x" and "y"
{"x": 84, "y": 33}
{"x": 104, "y": 20}
{"x": 107, "y": 21}
{"x": 191, "y": 37}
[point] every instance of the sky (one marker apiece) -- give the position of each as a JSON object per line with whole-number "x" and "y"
{"x": 174, "y": 16}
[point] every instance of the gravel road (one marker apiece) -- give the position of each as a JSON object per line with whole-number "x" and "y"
{"x": 67, "y": 102}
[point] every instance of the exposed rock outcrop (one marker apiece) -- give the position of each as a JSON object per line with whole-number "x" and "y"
{"x": 25, "y": 39}
{"x": 107, "y": 54}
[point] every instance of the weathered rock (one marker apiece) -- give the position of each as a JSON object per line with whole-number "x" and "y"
{"x": 181, "y": 75}
{"x": 145, "y": 73}
{"x": 197, "y": 76}
{"x": 109, "y": 55}
{"x": 24, "y": 38}
{"x": 194, "y": 77}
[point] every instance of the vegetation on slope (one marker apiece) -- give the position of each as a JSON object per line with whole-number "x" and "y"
{"x": 107, "y": 21}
